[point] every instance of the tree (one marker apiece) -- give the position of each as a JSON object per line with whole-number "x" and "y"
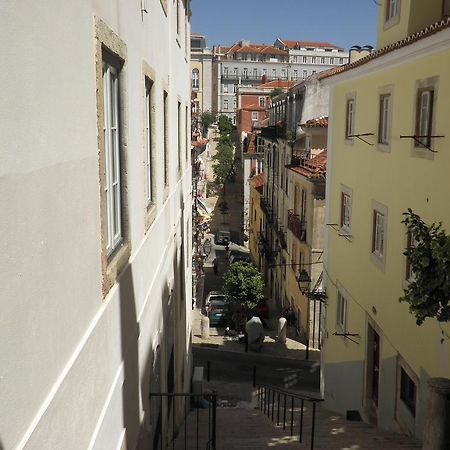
{"x": 243, "y": 287}
{"x": 225, "y": 125}
{"x": 207, "y": 118}
{"x": 276, "y": 91}
{"x": 224, "y": 164}
{"x": 428, "y": 292}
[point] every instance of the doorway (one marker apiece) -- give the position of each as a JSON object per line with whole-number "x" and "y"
{"x": 372, "y": 373}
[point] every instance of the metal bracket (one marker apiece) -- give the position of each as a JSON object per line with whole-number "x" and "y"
{"x": 358, "y": 136}
{"x": 348, "y": 336}
{"x": 418, "y": 141}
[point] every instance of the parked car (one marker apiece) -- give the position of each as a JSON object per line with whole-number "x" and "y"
{"x": 223, "y": 237}
{"x": 240, "y": 257}
{"x": 217, "y": 309}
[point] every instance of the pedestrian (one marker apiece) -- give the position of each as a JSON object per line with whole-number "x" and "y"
{"x": 216, "y": 266}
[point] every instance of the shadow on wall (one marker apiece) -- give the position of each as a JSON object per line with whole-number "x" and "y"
{"x": 130, "y": 357}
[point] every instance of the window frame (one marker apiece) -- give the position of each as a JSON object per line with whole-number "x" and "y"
{"x": 165, "y": 138}
{"x": 195, "y": 77}
{"x": 384, "y": 119}
{"x": 378, "y": 243}
{"x": 254, "y": 116}
{"x": 149, "y": 120}
{"x": 342, "y": 310}
{"x": 350, "y": 108}
{"x": 346, "y": 193}
{"x": 427, "y": 117}
{"x": 406, "y": 382}
{"x": 392, "y": 13}
{"x": 262, "y": 102}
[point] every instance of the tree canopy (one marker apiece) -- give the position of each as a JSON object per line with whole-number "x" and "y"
{"x": 207, "y": 118}
{"x": 243, "y": 286}
{"x": 225, "y": 124}
{"x": 428, "y": 291}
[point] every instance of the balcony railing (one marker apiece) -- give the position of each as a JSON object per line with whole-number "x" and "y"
{"x": 297, "y": 226}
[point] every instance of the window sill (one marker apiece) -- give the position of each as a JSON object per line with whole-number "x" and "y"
{"x": 378, "y": 260}
{"x": 113, "y": 268}
{"x": 349, "y": 141}
{"x": 385, "y": 148}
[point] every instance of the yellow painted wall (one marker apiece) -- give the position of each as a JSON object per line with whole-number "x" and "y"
{"x": 254, "y": 226}
{"x": 198, "y": 65}
{"x": 414, "y": 16}
{"x": 398, "y": 180}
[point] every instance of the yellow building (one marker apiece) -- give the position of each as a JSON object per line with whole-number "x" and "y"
{"x": 201, "y": 73}
{"x": 255, "y": 218}
{"x": 376, "y": 360}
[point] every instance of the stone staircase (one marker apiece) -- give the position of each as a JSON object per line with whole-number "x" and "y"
{"x": 247, "y": 428}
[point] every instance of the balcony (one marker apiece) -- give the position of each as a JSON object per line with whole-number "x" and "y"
{"x": 297, "y": 226}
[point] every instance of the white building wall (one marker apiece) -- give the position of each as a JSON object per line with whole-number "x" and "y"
{"x": 76, "y": 366}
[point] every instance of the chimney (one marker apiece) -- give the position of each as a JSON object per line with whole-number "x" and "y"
{"x": 356, "y": 52}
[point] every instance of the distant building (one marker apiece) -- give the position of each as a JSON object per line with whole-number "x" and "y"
{"x": 201, "y": 74}
{"x": 247, "y": 64}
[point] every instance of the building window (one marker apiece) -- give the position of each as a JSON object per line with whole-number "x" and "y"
{"x": 331, "y": 61}
{"x": 195, "y": 79}
{"x": 346, "y": 208}
{"x": 284, "y": 74}
{"x": 322, "y": 60}
{"x": 245, "y": 72}
{"x": 177, "y": 6}
{"x": 424, "y": 116}
{"x": 166, "y": 138}
{"x": 255, "y": 73}
{"x": 295, "y": 74}
{"x": 234, "y": 120}
{"x": 264, "y": 71}
{"x": 342, "y": 311}
{"x": 350, "y": 122}
{"x": 313, "y": 60}
{"x": 384, "y": 119}
{"x": 392, "y": 9}
{"x": 378, "y": 233}
{"x": 407, "y": 391}
{"x": 235, "y": 72}
{"x": 225, "y": 104}
{"x": 305, "y": 74}
{"x": 313, "y": 72}
{"x": 234, "y": 88}
{"x": 254, "y": 116}
{"x": 180, "y": 146}
{"x": 148, "y": 140}
{"x": 188, "y": 132}
{"x": 225, "y": 88}
{"x": 111, "y": 131}
{"x": 304, "y": 59}
{"x": 411, "y": 242}
{"x": 234, "y": 103}
{"x": 225, "y": 71}
{"x": 341, "y": 60}
{"x": 262, "y": 102}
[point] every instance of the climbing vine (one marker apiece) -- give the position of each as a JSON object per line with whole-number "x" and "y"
{"x": 428, "y": 291}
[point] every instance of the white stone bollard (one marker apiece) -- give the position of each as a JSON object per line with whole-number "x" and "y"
{"x": 282, "y": 329}
{"x": 204, "y": 327}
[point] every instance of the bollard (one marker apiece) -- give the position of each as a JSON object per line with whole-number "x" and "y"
{"x": 436, "y": 435}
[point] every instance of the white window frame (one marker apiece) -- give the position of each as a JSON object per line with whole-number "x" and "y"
{"x": 305, "y": 59}
{"x": 245, "y": 72}
{"x": 112, "y": 182}
{"x": 346, "y": 210}
{"x": 384, "y": 119}
{"x": 342, "y": 310}
{"x": 305, "y": 74}
{"x": 350, "y": 118}
{"x": 148, "y": 142}
{"x": 254, "y": 116}
{"x": 378, "y": 233}
{"x": 195, "y": 79}
{"x": 425, "y": 103}
{"x": 225, "y": 88}
{"x": 262, "y": 102}
{"x": 295, "y": 74}
{"x": 225, "y": 104}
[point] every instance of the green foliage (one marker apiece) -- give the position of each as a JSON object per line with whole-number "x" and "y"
{"x": 243, "y": 286}
{"x": 224, "y": 163}
{"x": 207, "y": 118}
{"x": 428, "y": 294}
{"x": 225, "y": 125}
{"x": 224, "y": 140}
{"x": 276, "y": 91}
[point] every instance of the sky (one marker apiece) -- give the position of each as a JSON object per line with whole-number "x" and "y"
{"x": 340, "y": 22}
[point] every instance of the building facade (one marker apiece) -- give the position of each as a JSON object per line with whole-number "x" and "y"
{"x": 96, "y": 268}
{"x": 201, "y": 74}
{"x": 387, "y": 152}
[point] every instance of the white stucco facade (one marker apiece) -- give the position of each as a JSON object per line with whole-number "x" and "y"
{"x": 77, "y": 361}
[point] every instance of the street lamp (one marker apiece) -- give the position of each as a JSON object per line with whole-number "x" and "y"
{"x": 304, "y": 281}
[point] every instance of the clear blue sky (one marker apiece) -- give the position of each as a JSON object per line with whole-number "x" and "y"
{"x": 341, "y": 22}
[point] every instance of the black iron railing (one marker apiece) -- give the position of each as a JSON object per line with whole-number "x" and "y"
{"x": 172, "y": 420}
{"x": 272, "y": 398}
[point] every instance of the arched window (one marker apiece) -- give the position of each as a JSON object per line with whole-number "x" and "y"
{"x": 195, "y": 79}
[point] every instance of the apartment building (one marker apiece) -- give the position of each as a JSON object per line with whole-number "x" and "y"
{"x": 387, "y": 152}
{"x": 201, "y": 74}
{"x": 248, "y": 64}
{"x": 96, "y": 222}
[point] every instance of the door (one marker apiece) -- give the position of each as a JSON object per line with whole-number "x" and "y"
{"x": 372, "y": 374}
{"x": 375, "y": 367}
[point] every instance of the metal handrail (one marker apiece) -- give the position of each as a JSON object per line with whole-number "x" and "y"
{"x": 164, "y": 439}
{"x": 266, "y": 399}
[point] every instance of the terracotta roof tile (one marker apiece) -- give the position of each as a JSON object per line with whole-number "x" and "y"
{"x": 254, "y": 48}
{"x": 315, "y": 167}
{"x": 422, "y": 34}
{"x": 290, "y": 44}
{"x": 316, "y": 123}
{"x": 278, "y": 83}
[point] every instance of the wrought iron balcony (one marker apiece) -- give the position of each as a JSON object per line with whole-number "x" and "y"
{"x": 296, "y": 225}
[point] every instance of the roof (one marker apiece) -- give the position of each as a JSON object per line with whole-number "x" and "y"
{"x": 313, "y": 168}
{"x": 254, "y": 48}
{"x": 411, "y": 39}
{"x": 257, "y": 182}
{"x": 321, "y": 122}
{"x": 278, "y": 83}
{"x": 291, "y": 44}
